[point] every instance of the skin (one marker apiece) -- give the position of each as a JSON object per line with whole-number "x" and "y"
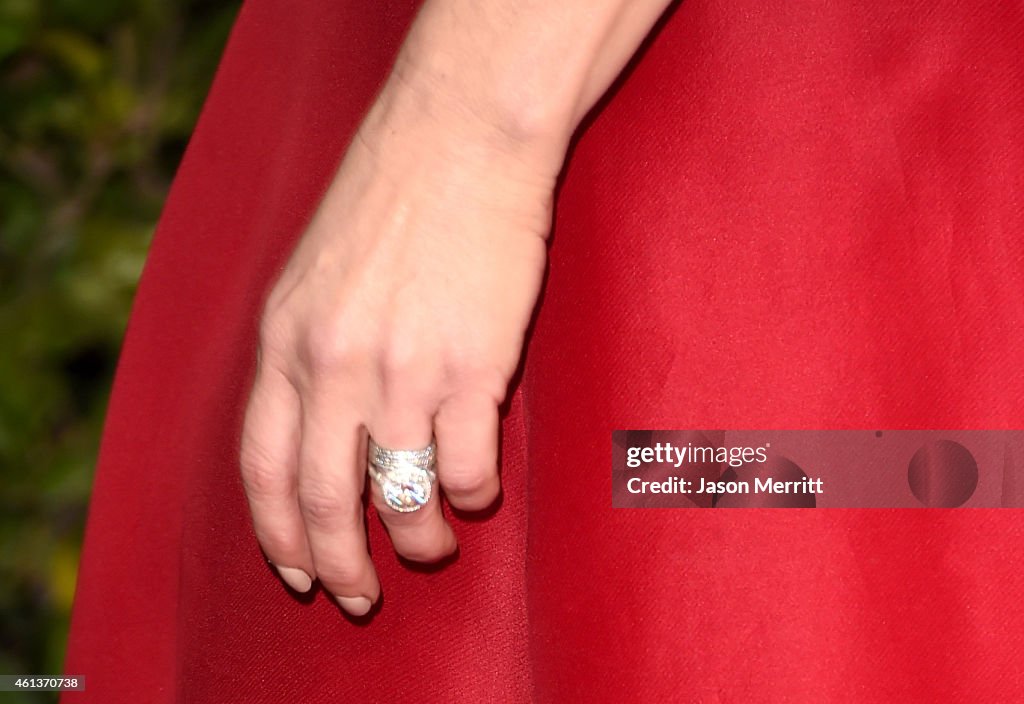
{"x": 402, "y": 311}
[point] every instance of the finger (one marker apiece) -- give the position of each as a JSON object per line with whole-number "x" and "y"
{"x": 466, "y": 427}
{"x": 269, "y": 464}
{"x": 330, "y": 488}
{"x": 421, "y": 535}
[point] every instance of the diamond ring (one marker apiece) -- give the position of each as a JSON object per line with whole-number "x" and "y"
{"x": 406, "y": 477}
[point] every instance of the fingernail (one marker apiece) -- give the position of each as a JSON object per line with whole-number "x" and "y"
{"x": 355, "y": 605}
{"x": 295, "y": 578}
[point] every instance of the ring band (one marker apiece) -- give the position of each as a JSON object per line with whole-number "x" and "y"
{"x": 406, "y": 477}
{"x": 384, "y": 457}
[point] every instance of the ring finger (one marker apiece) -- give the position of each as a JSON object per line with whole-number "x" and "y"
{"x": 421, "y": 535}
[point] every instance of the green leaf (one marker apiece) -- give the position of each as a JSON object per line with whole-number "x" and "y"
{"x": 76, "y": 52}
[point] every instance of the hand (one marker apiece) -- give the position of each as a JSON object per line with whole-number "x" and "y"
{"x": 401, "y": 314}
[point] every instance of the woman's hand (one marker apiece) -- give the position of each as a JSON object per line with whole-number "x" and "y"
{"x": 403, "y": 309}
{"x": 401, "y": 314}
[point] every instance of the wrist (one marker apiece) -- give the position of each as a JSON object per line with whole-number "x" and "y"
{"x": 422, "y": 141}
{"x": 493, "y": 90}
{"x": 421, "y": 110}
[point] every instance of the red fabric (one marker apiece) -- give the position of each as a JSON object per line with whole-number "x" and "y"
{"x": 786, "y": 215}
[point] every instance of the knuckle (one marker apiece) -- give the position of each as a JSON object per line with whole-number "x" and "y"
{"x": 279, "y": 544}
{"x": 328, "y": 347}
{"x": 325, "y": 510}
{"x": 464, "y": 480}
{"x": 401, "y": 356}
{"x": 472, "y": 372}
{"x": 261, "y": 476}
{"x": 340, "y": 574}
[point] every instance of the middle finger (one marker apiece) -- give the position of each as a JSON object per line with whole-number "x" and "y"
{"x": 330, "y": 487}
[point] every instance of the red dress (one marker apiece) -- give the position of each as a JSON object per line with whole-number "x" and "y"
{"x": 799, "y": 214}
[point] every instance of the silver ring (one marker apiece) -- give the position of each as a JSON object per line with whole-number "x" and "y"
{"x": 405, "y": 477}
{"x": 384, "y": 457}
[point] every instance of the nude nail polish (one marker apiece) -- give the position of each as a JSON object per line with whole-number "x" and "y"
{"x": 355, "y": 605}
{"x": 295, "y": 578}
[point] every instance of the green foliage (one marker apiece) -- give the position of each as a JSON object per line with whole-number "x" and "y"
{"x": 97, "y": 101}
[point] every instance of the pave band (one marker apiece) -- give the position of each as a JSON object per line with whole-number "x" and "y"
{"x": 385, "y": 457}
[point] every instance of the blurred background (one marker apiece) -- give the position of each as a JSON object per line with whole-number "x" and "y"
{"x": 97, "y": 102}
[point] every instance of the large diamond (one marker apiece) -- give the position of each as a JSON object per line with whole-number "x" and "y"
{"x": 406, "y": 491}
